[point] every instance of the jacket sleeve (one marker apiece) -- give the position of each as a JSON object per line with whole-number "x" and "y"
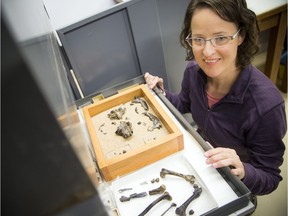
{"x": 262, "y": 172}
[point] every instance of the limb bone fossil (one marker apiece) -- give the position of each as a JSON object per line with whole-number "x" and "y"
{"x": 134, "y": 195}
{"x": 189, "y": 178}
{"x": 181, "y": 210}
{"x": 171, "y": 206}
{"x": 165, "y": 196}
{"x": 158, "y": 190}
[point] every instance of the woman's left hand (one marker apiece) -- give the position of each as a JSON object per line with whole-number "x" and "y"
{"x": 221, "y": 157}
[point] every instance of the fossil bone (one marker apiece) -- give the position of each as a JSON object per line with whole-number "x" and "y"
{"x": 189, "y": 178}
{"x": 124, "y": 129}
{"x": 158, "y": 190}
{"x": 144, "y": 183}
{"x": 171, "y": 206}
{"x": 155, "y": 180}
{"x": 191, "y": 212}
{"x": 165, "y": 196}
{"x": 117, "y": 113}
{"x": 134, "y": 195}
{"x": 124, "y": 189}
{"x": 181, "y": 210}
{"x": 142, "y": 102}
{"x": 155, "y": 120}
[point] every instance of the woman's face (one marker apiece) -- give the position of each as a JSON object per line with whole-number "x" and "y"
{"x": 216, "y": 62}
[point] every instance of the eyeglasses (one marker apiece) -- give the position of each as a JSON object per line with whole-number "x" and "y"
{"x": 215, "y": 41}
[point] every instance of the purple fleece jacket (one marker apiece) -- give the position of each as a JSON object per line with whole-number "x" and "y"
{"x": 250, "y": 119}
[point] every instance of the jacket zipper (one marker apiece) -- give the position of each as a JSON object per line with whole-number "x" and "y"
{"x": 207, "y": 116}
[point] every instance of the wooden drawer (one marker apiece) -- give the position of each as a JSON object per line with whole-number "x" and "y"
{"x": 116, "y": 155}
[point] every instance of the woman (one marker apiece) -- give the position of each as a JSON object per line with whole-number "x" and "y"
{"x": 238, "y": 110}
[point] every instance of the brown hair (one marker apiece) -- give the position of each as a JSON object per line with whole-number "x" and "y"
{"x": 235, "y": 11}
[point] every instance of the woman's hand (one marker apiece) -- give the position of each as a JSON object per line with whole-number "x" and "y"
{"x": 153, "y": 81}
{"x": 221, "y": 157}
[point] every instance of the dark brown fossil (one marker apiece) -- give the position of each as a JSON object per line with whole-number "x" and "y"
{"x": 132, "y": 196}
{"x": 181, "y": 210}
{"x": 171, "y": 206}
{"x": 158, "y": 190}
{"x": 189, "y": 178}
{"x": 142, "y": 102}
{"x": 165, "y": 196}
{"x": 154, "y": 119}
{"x": 116, "y": 113}
{"x": 124, "y": 129}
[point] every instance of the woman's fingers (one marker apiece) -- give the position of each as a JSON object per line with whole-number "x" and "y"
{"x": 153, "y": 81}
{"x": 222, "y": 157}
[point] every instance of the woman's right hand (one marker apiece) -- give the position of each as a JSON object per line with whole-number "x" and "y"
{"x": 153, "y": 81}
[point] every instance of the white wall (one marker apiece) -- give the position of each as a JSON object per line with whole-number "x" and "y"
{"x": 65, "y": 12}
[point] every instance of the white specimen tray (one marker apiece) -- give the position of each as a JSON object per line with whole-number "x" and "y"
{"x": 216, "y": 191}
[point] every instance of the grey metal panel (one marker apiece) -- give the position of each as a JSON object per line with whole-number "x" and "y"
{"x": 102, "y": 52}
{"x": 171, "y": 16}
{"x": 147, "y": 36}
